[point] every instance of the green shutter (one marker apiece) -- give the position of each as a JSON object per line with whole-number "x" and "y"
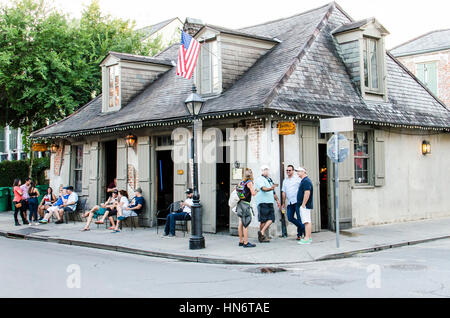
{"x": 379, "y": 153}
{"x": 420, "y": 72}
{"x": 432, "y": 77}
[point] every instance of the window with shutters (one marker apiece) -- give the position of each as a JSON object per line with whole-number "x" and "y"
{"x": 427, "y": 74}
{"x": 2, "y": 140}
{"x": 113, "y": 87}
{"x": 363, "y": 156}
{"x": 371, "y": 65}
{"x": 78, "y": 167}
{"x": 207, "y": 70}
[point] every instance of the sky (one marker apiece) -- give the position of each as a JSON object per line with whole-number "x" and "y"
{"x": 404, "y": 19}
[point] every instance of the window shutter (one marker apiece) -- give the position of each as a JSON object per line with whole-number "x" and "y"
{"x": 432, "y": 77}
{"x": 379, "y": 173}
{"x": 420, "y": 72}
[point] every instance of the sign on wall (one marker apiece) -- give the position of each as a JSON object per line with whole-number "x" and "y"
{"x": 287, "y": 128}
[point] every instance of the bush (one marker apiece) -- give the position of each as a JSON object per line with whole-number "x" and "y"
{"x": 10, "y": 170}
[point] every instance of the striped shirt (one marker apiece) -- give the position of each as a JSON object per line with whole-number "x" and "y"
{"x": 290, "y": 187}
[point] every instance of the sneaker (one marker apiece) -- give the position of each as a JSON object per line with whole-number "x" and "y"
{"x": 36, "y": 223}
{"x": 43, "y": 221}
{"x": 303, "y": 242}
{"x": 248, "y": 245}
{"x": 59, "y": 222}
{"x": 260, "y": 237}
{"x": 241, "y": 244}
{"x": 265, "y": 240}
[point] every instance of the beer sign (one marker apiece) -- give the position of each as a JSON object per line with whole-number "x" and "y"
{"x": 287, "y": 128}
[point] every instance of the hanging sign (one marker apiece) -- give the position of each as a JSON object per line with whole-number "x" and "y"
{"x": 287, "y": 128}
{"x": 39, "y": 147}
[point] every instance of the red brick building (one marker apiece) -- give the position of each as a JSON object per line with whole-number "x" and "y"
{"x": 428, "y": 57}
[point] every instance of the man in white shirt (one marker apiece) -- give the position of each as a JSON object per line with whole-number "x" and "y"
{"x": 172, "y": 218}
{"x": 69, "y": 206}
{"x": 289, "y": 195}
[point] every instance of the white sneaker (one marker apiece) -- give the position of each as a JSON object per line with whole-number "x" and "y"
{"x": 36, "y": 223}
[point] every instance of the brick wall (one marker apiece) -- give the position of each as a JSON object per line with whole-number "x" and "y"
{"x": 133, "y": 178}
{"x": 443, "y": 59}
{"x": 58, "y": 159}
{"x": 255, "y": 129}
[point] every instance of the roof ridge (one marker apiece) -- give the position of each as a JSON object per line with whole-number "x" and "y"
{"x": 286, "y": 18}
{"x": 417, "y": 37}
{"x": 297, "y": 59}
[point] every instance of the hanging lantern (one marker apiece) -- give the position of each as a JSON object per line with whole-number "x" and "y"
{"x": 426, "y": 148}
{"x": 54, "y": 148}
{"x": 131, "y": 140}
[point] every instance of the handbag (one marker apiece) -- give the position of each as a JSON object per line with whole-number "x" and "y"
{"x": 18, "y": 205}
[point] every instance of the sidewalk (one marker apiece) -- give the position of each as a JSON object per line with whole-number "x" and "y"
{"x": 223, "y": 248}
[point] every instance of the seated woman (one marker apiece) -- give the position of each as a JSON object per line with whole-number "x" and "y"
{"x": 54, "y": 209}
{"x": 47, "y": 201}
{"x": 111, "y": 211}
{"x": 123, "y": 204}
{"x": 135, "y": 208}
{"x": 101, "y": 210}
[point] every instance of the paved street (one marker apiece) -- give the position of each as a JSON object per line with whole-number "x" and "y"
{"x": 35, "y": 269}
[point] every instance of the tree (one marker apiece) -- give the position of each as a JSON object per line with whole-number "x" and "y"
{"x": 49, "y": 64}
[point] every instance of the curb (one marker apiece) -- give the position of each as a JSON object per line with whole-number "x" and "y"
{"x": 208, "y": 260}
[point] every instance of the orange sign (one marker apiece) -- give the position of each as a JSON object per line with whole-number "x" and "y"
{"x": 180, "y": 172}
{"x": 287, "y": 128}
{"x": 39, "y": 147}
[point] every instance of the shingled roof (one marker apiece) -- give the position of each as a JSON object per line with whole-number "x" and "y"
{"x": 303, "y": 74}
{"x": 152, "y": 29}
{"x": 430, "y": 42}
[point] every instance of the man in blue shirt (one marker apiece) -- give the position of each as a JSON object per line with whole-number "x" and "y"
{"x": 134, "y": 209}
{"x": 265, "y": 198}
{"x": 305, "y": 203}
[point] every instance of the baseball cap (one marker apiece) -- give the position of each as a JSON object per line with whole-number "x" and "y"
{"x": 189, "y": 191}
{"x": 265, "y": 167}
{"x": 300, "y": 169}
{"x": 139, "y": 190}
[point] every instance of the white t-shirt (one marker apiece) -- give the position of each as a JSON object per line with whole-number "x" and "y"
{"x": 73, "y": 198}
{"x": 124, "y": 202}
{"x": 187, "y": 209}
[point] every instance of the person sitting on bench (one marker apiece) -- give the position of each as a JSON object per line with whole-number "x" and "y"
{"x": 100, "y": 210}
{"x": 172, "y": 218}
{"x": 133, "y": 209}
{"x": 69, "y": 206}
{"x": 54, "y": 209}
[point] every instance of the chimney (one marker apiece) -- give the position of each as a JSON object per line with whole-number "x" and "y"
{"x": 192, "y": 26}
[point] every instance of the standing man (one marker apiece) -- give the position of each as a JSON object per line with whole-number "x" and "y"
{"x": 305, "y": 203}
{"x": 265, "y": 198}
{"x": 289, "y": 192}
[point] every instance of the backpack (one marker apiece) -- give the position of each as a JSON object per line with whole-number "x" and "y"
{"x": 242, "y": 189}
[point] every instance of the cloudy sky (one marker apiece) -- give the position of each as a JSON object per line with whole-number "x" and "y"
{"x": 405, "y": 19}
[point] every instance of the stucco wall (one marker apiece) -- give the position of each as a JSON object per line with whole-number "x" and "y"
{"x": 416, "y": 185}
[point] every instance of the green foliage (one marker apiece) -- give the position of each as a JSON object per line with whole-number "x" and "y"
{"x": 10, "y": 170}
{"x": 49, "y": 64}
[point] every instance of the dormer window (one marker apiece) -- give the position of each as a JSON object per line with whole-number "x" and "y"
{"x": 208, "y": 75}
{"x": 114, "y": 87}
{"x": 371, "y": 71}
{"x": 361, "y": 46}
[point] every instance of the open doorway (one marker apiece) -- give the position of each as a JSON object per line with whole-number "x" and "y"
{"x": 323, "y": 178}
{"x": 110, "y": 163}
{"x": 223, "y": 193}
{"x": 164, "y": 178}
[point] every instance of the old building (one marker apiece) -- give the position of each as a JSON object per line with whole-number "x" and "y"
{"x": 428, "y": 58}
{"x": 168, "y": 31}
{"x": 316, "y": 64}
{"x": 11, "y": 144}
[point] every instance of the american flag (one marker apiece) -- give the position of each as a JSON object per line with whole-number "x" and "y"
{"x": 187, "y": 59}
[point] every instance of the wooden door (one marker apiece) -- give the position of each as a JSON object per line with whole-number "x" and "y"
{"x": 310, "y": 161}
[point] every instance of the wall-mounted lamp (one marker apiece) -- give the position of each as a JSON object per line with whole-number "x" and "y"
{"x": 426, "y": 148}
{"x": 131, "y": 140}
{"x": 54, "y": 148}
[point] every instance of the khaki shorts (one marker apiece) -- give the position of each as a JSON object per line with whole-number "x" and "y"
{"x": 305, "y": 214}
